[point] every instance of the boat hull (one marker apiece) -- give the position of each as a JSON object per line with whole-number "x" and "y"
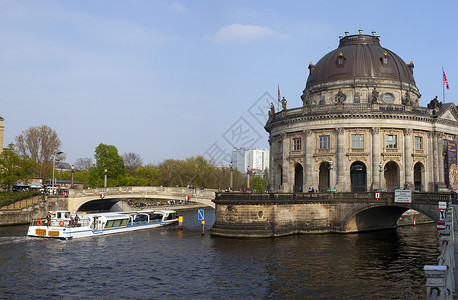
{"x": 64, "y": 233}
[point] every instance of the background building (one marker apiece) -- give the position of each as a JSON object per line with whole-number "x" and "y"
{"x": 360, "y": 126}
{"x": 255, "y": 159}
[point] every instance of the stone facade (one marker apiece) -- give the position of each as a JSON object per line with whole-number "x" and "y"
{"x": 360, "y": 127}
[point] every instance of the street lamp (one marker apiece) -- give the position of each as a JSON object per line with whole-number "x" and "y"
{"x": 248, "y": 178}
{"x": 230, "y": 168}
{"x": 380, "y": 165}
{"x": 105, "y": 182}
{"x": 53, "y": 167}
{"x": 73, "y": 177}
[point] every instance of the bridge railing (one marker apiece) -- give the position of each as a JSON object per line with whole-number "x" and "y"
{"x": 386, "y": 197}
{"x": 159, "y": 190}
{"x": 440, "y": 282}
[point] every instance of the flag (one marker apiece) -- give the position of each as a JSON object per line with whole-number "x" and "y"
{"x": 445, "y": 79}
{"x": 278, "y": 92}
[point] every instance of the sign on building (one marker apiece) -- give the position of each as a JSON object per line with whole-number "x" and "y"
{"x": 452, "y": 165}
{"x": 403, "y": 196}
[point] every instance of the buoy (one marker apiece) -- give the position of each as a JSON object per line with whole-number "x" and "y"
{"x": 180, "y": 222}
{"x": 61, "y": 223}
{"x": 39, "y": 222}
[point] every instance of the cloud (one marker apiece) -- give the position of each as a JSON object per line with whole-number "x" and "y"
{"x": 244, "y": 33}
{"x": 178, "y": 7}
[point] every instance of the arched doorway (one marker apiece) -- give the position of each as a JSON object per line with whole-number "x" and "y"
{"x": 358, "y": 177}
{"x": 298, "y": 177}
{"x": 417, "y": 176}
{"x": 391, "y": 176}
{"x": 323, "y": 184}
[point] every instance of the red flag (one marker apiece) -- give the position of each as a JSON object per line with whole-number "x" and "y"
{"x": 278, "y": 92}
{"x": 445, "y": 79}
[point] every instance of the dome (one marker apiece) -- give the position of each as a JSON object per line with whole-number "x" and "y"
{"x": 360, "y": 57}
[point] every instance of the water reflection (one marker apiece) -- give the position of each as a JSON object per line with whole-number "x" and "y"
{"x": 168, "y": 263}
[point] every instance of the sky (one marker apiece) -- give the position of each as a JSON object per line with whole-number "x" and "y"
{"x": 176, "y": 79}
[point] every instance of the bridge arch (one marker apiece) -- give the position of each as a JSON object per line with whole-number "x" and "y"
{"x": 100, "y": 199}
{"x": 380, "y": 216}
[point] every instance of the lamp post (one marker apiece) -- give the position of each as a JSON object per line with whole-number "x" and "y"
{"x": 105, "y": 181}
{"x": 73, "y": 177}
{"x": 380, "y": 188}
{"x": 53, "y": 183}
{"x": 331, "y": 177}
{"x": 248, "y": 178}
{"x": 230, "y": 168}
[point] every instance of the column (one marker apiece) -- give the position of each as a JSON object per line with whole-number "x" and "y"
{"x": 408, "y": 158}
{"x": 431, "y": 170}
{"x": 308, "y": 156}
{"x": 440, "y": 159}
{"x": 285, "y": 163}
{"x": 376, "y": 159}
{"x": 340, "y": 156}
{"x": 271, "y": 166}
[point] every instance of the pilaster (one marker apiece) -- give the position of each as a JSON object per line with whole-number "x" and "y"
{"x": 408, "y": 158}
{"x": 340, "y": 155}
{"x": 376, "y": 159}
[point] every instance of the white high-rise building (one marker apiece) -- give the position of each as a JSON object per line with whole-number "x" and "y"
{"x": 255, "y": 159}
{"x": 259, "y": 158}
{"x": 240, "y": 159}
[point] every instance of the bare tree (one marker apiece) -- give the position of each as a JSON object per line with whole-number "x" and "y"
{"x": 83, "y": 163}
{"x": 41, "y": 144}
{"x": 132, "y": 161}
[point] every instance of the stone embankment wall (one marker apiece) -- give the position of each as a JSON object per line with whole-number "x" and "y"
{"x": 35, "y": 211}
{"x": 272, "y": 215}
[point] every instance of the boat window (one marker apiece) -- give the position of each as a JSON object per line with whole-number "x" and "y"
{"x": 58, "y": 215}
{"x": 67, "y": 215}
{"x": 109, "y": 224}
{"x": 155, "y": 217}
{"x": 124, "y": 222}
{"x": 116, "y": 223}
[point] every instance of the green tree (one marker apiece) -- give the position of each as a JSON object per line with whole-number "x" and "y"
{"x": 145, "y": 176}
{"x": 107, "y": 157}
{"x": 259, "y": 184}
{"x": 14, "y": 167}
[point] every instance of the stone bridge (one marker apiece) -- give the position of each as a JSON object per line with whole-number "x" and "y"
{"x": 105, "y": 198}
{"x": 270, "y": 215}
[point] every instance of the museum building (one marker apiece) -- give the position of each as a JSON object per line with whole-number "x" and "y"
{"x": 360, "y": 127}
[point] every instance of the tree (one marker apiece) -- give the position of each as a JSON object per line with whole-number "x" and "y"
{"x": 107, "y": 157}
{"x": 145, "y": 176}
{"x": 259, "y": 184}
{"x": 83, "y": 163}
{"x": 132, "y": 161}
{"x": 41, "y": 144}
{"x": 14, "y": 167}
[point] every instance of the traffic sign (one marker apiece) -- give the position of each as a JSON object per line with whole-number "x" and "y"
{"x": 201, "y": 214}
{"x": 377, "y": 195}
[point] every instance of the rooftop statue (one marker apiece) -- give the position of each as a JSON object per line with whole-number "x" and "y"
{"x": 283, "y": 103}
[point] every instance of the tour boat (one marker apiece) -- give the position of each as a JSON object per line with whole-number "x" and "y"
{"x": 62, "y": 225}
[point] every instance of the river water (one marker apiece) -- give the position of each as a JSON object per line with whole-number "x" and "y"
{"x": 165, "y": 263}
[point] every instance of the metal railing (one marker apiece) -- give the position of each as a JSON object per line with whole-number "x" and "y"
{"x": 23, "y": 203}
{"x": 440, "y": 282}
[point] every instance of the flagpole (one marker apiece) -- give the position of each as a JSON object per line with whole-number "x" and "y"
{"x": 443, "y": 85}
